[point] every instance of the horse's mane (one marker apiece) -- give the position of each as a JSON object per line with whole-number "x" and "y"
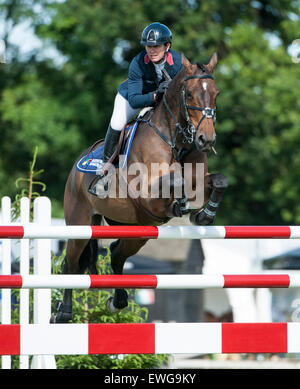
{"x": 201, "y": 67}
{"x": 175, "y": 85}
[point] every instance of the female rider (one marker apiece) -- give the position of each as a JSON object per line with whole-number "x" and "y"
{"x": 145, "y": 83}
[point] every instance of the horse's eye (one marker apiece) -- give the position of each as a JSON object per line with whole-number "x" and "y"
{"x": 189, "y": 95}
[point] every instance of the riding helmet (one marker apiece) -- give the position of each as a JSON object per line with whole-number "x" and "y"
{"x": 156, "y": 34}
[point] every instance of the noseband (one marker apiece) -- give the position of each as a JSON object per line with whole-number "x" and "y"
{"x": 190, "y": 130}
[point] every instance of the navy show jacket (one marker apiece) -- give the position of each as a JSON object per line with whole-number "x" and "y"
{"x": 142, "y": 78}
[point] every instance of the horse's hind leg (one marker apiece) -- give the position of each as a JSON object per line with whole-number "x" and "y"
{"x": 80, "y": 255}
{"x": 120, "y": 251}
{"x": 64, "y": 308}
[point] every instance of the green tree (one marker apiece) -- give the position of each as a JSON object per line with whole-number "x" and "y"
{"x": 258, "y": 130}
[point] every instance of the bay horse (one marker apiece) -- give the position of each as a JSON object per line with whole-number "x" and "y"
{"x": 180, "y": 129}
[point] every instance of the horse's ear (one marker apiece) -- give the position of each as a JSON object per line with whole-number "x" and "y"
{"x": 189, "y": 67}
{"x": 212, "y": 62}
{"x": 185, "y": 62}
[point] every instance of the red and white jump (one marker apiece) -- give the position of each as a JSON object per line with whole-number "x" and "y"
{"x": 33, "y": 231}
{"x": 158, "y": 338}
{"x": 173, "y": 281}
{"x": 43, "y": 340}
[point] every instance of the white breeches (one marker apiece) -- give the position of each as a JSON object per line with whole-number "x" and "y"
{"x": 122, "y": 113}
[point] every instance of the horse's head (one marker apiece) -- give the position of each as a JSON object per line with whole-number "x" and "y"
{"x": 198, "y": 103}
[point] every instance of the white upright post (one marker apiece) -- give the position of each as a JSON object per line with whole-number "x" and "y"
{"x": 42, "y": 266}
{"x": 264, "y": 305}
{"x": 24, "y": 270}
{"x": 6, "y": 269}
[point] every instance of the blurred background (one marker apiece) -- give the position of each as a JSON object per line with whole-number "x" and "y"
{"x": 65, "y": 60}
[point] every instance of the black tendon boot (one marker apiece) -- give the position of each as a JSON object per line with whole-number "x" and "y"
{"x": 100, "y": 184}
{"x": 207, "y": 215}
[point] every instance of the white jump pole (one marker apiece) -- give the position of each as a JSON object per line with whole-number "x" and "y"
{"x": 42, "y": 267}
{"x": 24, "y": 270}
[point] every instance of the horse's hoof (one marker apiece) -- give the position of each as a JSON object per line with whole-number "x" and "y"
{"x": 219, "y": 182}
{"x": 178, "y": 208}
{"x": 110, "y": 306}
{"x": 202, "y": 218}
{"x": 120, "y": 299}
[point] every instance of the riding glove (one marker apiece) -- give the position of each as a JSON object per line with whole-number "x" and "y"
{"x": 161, "y": 88}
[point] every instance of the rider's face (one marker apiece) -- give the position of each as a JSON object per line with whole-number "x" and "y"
{"x": 156, "y": 53}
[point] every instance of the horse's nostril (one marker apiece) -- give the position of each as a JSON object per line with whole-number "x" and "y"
{"x": 202, "y": 139}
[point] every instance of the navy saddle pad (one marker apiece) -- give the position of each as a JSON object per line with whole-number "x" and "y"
{"x": 93, "y": 161}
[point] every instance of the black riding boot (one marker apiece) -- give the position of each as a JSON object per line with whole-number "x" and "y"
{"x": 111, "y": 142}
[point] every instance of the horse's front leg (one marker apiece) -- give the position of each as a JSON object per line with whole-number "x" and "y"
{"x": 216, "y": 185}
{"x": 171, "y": 192}
{"x": 120, "y": 251}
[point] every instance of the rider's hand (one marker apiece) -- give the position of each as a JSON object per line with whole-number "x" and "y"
{"x": 163, "y": 86}
{"x": 161, "y": 89}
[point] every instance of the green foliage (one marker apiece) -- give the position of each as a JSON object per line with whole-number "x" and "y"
{"x": 28, "y": 190}
{"x": 258, "y": 130}
{"x": 90, "y": 307}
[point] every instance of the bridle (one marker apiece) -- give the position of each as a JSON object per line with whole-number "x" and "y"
{"x": 190, "y": 130}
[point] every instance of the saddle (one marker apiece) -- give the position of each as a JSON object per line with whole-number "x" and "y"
{"x": 92, "y": 161}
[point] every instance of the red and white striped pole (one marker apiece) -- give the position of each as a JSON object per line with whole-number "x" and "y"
{"x": 32, "y": 231}
{"x": 149, "y": 338}
{"x": 163, "y": 281}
